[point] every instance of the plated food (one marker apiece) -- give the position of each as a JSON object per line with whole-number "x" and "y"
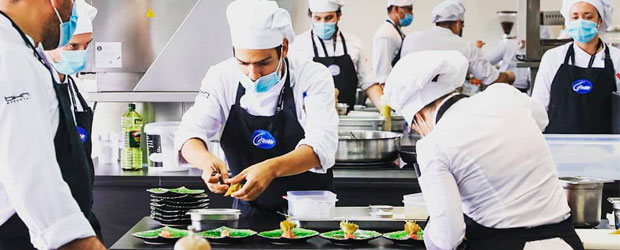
{"x": 288, "y": 233}
{"x": 350, "y": 233}
{"x": 226, "y": 234}
{"x": 164, "y": 235}
{"x": 411, "y": 235}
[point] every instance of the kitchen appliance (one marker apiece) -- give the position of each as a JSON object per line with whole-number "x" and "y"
{"x": 507, "y": 19}
{"x": 160, "y": 147}
{"x": 207, "y": 219}
{"x": 615, "y": 112}
{"x": 584, "y": 198}
{"x": 368, "y": 123}
{"x": 367, "y": 146}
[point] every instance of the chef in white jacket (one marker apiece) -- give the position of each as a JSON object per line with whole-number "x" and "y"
{"x": 449, "y": 20}
{"x": 342, "y": 53}
{"x": 388, "y": 39}
{"x": 575, "y": 81}
{"x": 486, "y": 171}
{"x": 505, "y": 57}
{"x": 45, "y": 182}
{"x": 280, "y": 128}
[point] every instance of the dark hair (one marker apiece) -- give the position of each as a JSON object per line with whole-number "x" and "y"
{"x": 338, "y": 12}
{"x": 389, "y": 9}
{"x": 446, "y": 23}
{"x": 278, "y": 50}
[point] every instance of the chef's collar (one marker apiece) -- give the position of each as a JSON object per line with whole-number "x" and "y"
{"x": 441, "y": 104}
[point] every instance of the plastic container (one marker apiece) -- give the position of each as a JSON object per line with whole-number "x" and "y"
{"x": 586, "y": 155}
{"x": 160, "y": 146}
{"x": 415, "y": 206}
{"x": 311, "y": 204}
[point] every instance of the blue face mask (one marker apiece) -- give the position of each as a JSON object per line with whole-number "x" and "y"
{"x": 407, "y": 20}
{"x": 324, "y": 31}
{"x": 71, "y": 62}
{"x": 265, "y": 82}
{"x": 582, "y": 31}
{"x": 66, "y": 28}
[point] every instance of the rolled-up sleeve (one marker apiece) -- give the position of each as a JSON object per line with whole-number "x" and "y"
{"x": 321, "y": 128}
{"x": 34, "y": 185}
{"x": 382, "y": 56}
{"x": 204, "y": 119}
{"x": 480, "y": 67}
{"x": 446, "y": 227}
{"x": 365, "y": 74}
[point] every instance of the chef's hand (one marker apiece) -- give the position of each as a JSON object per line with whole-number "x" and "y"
{"x": 214, "y": 170}
{"x": 91, "y": 243}
{"x": 480, "y": 44}
{"x": 336, "y": 94}
{"x": 258, "y": 177}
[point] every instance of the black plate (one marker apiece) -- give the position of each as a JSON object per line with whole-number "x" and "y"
{"x": 180, "y": 202}
{"x": 168, "y": 212}
{"x": 170, "y": 197}
{"x": 176, "y": 208}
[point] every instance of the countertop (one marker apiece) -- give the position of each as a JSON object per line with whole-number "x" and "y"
{"x": 128, "y": 242}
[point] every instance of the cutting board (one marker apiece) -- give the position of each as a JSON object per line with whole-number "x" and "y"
{"x": 599, "y": 239}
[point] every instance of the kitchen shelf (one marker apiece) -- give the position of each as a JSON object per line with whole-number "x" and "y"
{"x": 142, "y": 96}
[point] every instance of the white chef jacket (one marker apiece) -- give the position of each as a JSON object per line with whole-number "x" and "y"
{"x": 487, "y": 158}
{"x": 505, "y": 56}
{"x": 313, "y": 90}
{"x": 554, "y": 58}
{"x": 32, "y": 186}
{"x": 385, "y": 46}
{"x": 302, "y": 48}
{"x": 438, "y": 38}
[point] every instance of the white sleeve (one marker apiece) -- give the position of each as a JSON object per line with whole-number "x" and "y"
{"x": 544, "y": 79}
{"x": 382, "y": 57}
{"x": 537, "y": 111}
{"x": 365, "y": 73}
{"x": 496, "y": 55}
{"x": 446, "y": 227}
{"x": 480, "y": 67}
{"x": 34, "y": 185}
{"x": 321, "y": 128}
{"x": 204, "y": 119}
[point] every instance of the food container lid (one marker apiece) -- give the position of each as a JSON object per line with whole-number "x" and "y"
{"x": 314, "y": 195}
{"x": 416, "y": 198}
{"x": 615, "y": 201}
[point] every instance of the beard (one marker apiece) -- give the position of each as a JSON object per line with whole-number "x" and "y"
{"x": 50, "y": 37}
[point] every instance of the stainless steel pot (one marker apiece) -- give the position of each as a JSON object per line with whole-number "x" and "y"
{"x": 211, "y": 218}
{"x": 584, "y": 198}
{"x": 367, "y": 146}
{"x": 351, "y": 123}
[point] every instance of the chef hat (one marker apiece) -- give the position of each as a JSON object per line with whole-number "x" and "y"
{"x": 399, "y": 3}
{"x": 258, "y": 24}
{"x": 86, "y": 14}
{"x": 319, "y": 6}
{"x": 604, "y": 8}
{"x": 448, "y": 10}
{"x": 411, "y": 86}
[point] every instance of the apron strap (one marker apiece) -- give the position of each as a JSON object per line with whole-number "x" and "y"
{"x": 402, "y": 36}
{"x": 447, "y": 105}
{"x": 281, "y": 97}
{"x": 344, "y": 45}
{"x": 75, "y": 93}
{"x": 316, "y": 53}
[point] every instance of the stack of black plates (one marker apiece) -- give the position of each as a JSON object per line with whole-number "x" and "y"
{"x": 170, "y": 205}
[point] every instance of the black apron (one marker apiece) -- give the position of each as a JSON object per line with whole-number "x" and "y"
{"x": 71, "y": 158}
{"x": 580, "y": 98}
{"x": 402, "y": 39}
{"x": 247, "y": 140}
{"x": 479, "y": 237}
{"x": 342, "y": 70}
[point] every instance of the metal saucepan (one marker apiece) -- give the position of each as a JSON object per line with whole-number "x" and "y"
{"x": 367, "y": 146}
{"x": 584, "y": 196}
{"x": 407, "y": 148}
{"x": 211, "y": 218}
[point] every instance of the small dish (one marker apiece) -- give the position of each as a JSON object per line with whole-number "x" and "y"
{"x": 361, "y": 237}
{"x": 158, "y": 237}
{"x": 218, "y": 235}
{"x": 301, "y": 236}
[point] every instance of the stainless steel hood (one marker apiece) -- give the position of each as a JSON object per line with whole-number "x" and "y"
{"x": 157, "y": 45}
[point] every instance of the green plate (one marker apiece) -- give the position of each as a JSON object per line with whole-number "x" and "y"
{"x": 179, "y": 190}
{"x": 401, "y": 237}
{"x": 361, "y": 236}
{"x": 215, "y": 235}
{"x": 152, "y": 236}
{"x": 301, "y": 235}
